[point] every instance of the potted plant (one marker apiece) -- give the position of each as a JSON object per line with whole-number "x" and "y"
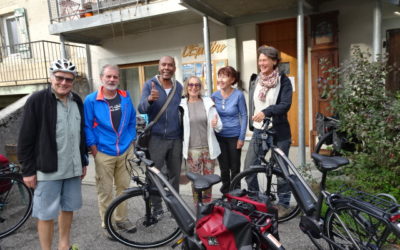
{"x": 86, "y": 10}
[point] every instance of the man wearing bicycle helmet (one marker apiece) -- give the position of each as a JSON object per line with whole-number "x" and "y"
{"x": 53, "y": 154}
{"x": 111, "y": 132}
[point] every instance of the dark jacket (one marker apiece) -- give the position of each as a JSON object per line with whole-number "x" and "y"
{"x": 279, "y": 111}
{"x": 37, "y": 146}
{"x": 169, "y": 125}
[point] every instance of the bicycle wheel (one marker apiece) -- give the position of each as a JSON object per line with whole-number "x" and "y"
{"x": 152, "y": 230}
{"x": 361, "y": 231}
{"x": 264, "y": 182}
{"x": 15, "y": 204}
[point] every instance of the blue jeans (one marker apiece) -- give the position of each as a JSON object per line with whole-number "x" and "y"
{"x": 252, "y": 159}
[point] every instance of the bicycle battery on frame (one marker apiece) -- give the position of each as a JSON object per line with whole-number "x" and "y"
{"x": 299, "y": 188}
{"x": 176, "y": 205}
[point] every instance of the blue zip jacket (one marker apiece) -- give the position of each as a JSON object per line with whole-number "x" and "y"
{"x": 99, "y": 127}
{"x": 168, "y": 126}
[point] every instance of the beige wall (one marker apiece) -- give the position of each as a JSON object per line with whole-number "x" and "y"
{"x": 38, "y": 17}
{"x": 151, "y": 46}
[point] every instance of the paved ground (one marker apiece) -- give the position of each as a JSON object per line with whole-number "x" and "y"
{"x": 87, "y": 233}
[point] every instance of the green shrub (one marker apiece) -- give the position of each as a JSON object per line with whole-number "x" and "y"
{"x": 372, "y": 117}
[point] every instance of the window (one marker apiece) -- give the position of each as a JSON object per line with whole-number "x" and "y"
{"x": 133, "y": 76}
{"x": 12, "y": 33}
{"x": 15, "y": 36}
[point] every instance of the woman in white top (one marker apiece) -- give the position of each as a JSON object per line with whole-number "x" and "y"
{"x": 200, "y": 120}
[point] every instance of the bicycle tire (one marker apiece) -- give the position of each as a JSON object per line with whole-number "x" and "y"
{"x": 327, "y": 137}
{"x": 15, "y": 204}
{"x": 240, "y": 182}
{"x": 152, "y": 231}
{"x": 368, "y": 231}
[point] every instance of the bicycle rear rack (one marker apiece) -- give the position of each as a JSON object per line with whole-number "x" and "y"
{"x": 385, "y": 205}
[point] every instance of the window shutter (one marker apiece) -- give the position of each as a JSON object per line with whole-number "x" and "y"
{"x": 23, "y": 32}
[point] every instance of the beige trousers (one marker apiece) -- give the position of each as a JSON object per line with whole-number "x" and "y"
{"x": 112, "y": 171}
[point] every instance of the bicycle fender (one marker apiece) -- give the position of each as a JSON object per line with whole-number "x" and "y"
{"x": 132, "y": 190}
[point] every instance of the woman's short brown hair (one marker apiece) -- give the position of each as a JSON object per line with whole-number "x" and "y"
{"x": 229, "y": 71}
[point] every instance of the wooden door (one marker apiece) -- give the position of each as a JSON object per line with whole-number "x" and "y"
{"x": 324, "y": 47}
{"x": 393, "y": 49}
{"x": 282, "y": 35}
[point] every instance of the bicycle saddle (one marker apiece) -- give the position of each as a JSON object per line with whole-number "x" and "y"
{"x": 327, "y": 163}
{"x": 203, "y": 182}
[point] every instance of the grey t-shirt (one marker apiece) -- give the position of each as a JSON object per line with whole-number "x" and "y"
{"x": 198, "y": 125}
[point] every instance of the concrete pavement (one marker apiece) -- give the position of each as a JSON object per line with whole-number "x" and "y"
{"x": 87, "y": 233}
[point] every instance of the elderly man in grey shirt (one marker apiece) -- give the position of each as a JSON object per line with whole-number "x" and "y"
{"x": 53, "y": 153}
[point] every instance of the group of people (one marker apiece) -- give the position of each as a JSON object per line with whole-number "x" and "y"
{"x": 58, "y": 129}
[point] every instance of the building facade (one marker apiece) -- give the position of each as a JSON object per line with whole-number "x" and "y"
{"x": 134, "y": 34}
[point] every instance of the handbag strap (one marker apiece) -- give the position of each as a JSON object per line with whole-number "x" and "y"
{"x": 164, "y": 107}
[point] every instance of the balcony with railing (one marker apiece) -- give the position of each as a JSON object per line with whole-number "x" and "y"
{"x": 92, "y": 21}
{"x": 28, "y": 63}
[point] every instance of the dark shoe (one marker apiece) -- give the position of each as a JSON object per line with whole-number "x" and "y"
{"x": 127, "y": 226}
{"x": 107, "y": 235}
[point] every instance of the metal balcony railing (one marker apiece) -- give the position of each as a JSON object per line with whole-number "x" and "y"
{"x": 67, "y": 10}
{"x": 28, "y": 63}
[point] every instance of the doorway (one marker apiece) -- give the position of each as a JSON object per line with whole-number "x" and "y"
{"x": 282, "y": 35}
{"x": 133, "y": 76}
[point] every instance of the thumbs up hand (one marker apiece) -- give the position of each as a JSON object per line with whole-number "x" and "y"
{"x": 154, "y": 94}
{"x": 214, "y": 121}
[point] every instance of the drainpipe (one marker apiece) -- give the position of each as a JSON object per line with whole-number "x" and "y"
{"x": 300, "y": 81}
{"x": 62, "y": 47}
{"x": 207, "y": 52}
{"x": 89, "y": 67}
{"x": 377, "y": 30}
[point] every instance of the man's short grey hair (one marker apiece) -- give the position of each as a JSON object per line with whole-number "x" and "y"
{"x": 108, "y": 66}
{"x": 270, "y": 52}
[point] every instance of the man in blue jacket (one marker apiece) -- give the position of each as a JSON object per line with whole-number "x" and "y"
{"x": 110, "y": 126}
{"x": 165, "y": 145}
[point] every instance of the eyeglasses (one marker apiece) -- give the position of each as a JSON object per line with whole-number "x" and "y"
{"x": 61, "y": 79}
{"x": 191, "y": 85}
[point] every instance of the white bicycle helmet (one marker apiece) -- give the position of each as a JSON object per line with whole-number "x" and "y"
{"x": 63, "y": 65}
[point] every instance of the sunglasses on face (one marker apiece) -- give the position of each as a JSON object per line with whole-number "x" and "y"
{"x": 61, "y": 79}
{"x": 192, "y": 85}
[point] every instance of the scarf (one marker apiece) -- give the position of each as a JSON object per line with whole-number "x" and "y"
{"x": 267, "y": 82}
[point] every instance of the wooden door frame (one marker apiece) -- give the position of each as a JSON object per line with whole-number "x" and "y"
{"x": 140, "y": 67}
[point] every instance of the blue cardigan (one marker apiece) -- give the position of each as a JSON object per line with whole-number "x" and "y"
{"x": 233, "y": 113}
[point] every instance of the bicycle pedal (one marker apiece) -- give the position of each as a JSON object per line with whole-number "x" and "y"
{"x": 177, "y": 243}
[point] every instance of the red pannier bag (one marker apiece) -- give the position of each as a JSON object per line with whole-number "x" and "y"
{"x": 251, "y": 203}
{"x": 5, "y": 185}
{"x": 220, "y": 228}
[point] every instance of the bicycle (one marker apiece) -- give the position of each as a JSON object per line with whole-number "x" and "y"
{"x": 354, "y": 219}
{"x": 331, "y": 141}
{"x": 15, "y": 200}
{"x": 266, "y": 175}
{"x": 177, "y": 218}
